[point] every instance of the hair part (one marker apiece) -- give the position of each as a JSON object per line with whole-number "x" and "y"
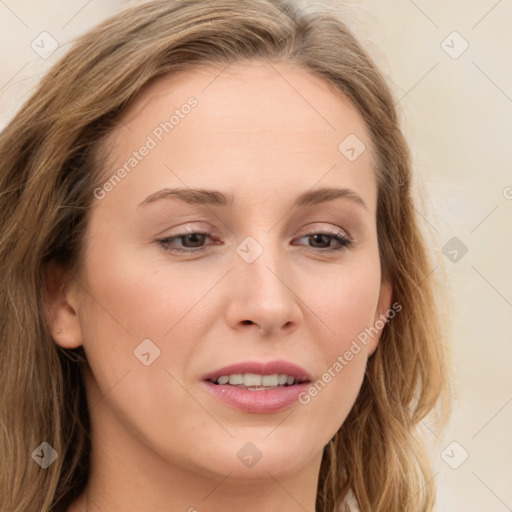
{"x": 53, "y": 157}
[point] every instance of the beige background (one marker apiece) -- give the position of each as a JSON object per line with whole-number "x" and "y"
{"x": 457, "y": 115}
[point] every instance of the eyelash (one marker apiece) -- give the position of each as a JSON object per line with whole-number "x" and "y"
{"x": 343, "y": 241}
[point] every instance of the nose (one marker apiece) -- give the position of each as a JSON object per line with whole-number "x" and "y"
{"x": 264, "y": 294}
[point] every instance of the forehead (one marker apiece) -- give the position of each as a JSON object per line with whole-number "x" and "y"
{"x": 250, "y": 96}
{"x": 259, "y": 126}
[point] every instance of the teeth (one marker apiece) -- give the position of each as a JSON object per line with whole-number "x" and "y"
{"x": 255, "y": 380}
{"x": 223, "y": 380}
{"x": 251, "y": 379}
{"x": 270, "y": 380}
{"x": 236, "y": 379}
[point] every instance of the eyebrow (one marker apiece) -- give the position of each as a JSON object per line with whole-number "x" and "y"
{"x": 202, "y": 196}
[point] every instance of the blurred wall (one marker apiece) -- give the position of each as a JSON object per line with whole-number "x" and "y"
{"x": 449, "y": 64}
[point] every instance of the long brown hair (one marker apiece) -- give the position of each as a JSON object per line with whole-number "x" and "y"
{"x": 51, "y": 159}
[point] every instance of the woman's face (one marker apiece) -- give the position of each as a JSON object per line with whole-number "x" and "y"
{"x": 249, "y": 274}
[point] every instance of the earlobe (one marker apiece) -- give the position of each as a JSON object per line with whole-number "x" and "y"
{"x": 60, "y": 309}
{"x": 381, "y": 314}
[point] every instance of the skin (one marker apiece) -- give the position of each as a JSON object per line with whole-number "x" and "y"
{"x": 160, "y": 442}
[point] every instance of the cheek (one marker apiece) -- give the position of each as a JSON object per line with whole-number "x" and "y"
{"x": 133, "y": 297}
{"x": 128, "y": 303}
{"x": 347, "y": 306}
{"x": 347, "y": 302}
{"x": 130, "y": 298}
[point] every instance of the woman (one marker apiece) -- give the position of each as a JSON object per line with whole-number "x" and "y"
{"x": 215, "y": 292}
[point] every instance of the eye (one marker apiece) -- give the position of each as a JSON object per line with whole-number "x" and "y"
{"x": 324, "y": 241}
{"x": 192, "y": 241}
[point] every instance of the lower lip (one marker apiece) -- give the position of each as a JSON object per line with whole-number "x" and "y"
{"x": 265, "y": 401}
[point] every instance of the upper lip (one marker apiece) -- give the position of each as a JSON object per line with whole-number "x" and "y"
{"x": 261, "y": 368}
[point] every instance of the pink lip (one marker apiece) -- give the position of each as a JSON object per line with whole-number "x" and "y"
{"x": 265, "y": 401}
{"x": 261, "y": 368}
{"x": 261, "y": 401}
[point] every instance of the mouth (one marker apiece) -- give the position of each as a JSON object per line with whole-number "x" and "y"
{"x": 259, "y": 387}
{"x": 258, "y": 376}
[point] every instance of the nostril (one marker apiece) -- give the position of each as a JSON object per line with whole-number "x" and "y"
{"x": 247, "y": 322}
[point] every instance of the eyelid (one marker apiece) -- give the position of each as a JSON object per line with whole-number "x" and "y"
{"x": 323, "y": 227}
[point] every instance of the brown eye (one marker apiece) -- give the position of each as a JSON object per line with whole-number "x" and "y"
{"x": 322, "y": 241}
{"x": 191, "y": 242}
{"x": 195, "y": 239}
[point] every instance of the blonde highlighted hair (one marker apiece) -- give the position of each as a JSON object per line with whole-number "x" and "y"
{"x": 52, "y": 159}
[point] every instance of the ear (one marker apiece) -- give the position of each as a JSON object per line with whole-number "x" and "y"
{"x": 381, "y": 314}
{"x": 61, "y": 308}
